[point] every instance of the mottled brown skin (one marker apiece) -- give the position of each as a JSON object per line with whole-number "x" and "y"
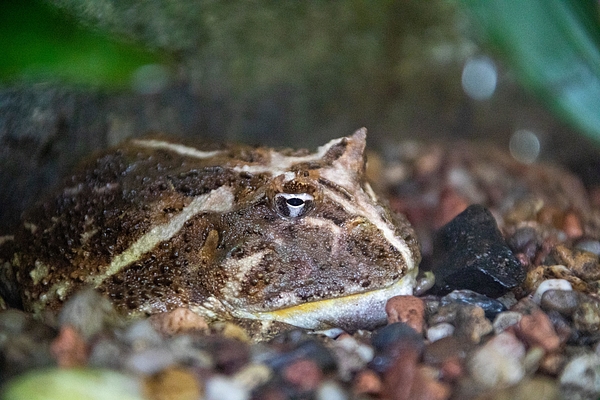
{"x": 103, "y": 210}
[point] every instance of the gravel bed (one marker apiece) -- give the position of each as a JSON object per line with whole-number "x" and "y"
{"x": 514, "y": 312}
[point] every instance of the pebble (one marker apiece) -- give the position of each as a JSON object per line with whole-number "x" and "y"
{"x": 179, "y": 320}
{"x": 532, "y": 359}
{"x": 351, "y": 355}
{"x": 426, "y": 386}
{"x": 303, "y": 374}
{"x": 563, "y": 301}
{"x": 591, "y": 246}
{"x": 229, "y": 355}
{"x": 330, "y": 390}
{"x": 297, "y": 345}
{"x": 572, "y": 225}
{"x": 73, "y": 384}
{"x": 172, "y": 384}
{"x": 388, "y": 337}
{"x": 448, "y": 355}
{"x": 219, "y": 387}
{"x": 186, "y": 352}
{"x": 470, "y": 253}
{"x": 537, "y": 330}
{"x": 141, "y": 334}
{"x": 24, "y": 343}
{"x": 497, "y": 364}
{"x": 253, "y": 375}
{"x": 439, "y": 331}
{"x": 472, "y": 323}
{"x": 586, "y": 316}
{"x": 150, "y": 360}
{"x": 562, "y": 326}
{"x": 407, "y": 309}
{"x": 525, "y": 241}
{"x": 367, "y": 382}
{"x": 581, "y": 377}
{"x": 491, "y": 306}
{"x": 505, "y": 320}
{"x": 69, "y": 349}
{"x": 89, "y": 313}
{"x": 541, "y": 388}
{"x": 399, "y": 377}
{"x": 106, "y": 352}
{"x": 561, "y": 272}
{"x": 553, "y": 363}
{"x": 556, "y": 284}
{"x": 582, "y": 263}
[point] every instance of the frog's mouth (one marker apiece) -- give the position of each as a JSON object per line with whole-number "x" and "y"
{"x": 364, "y": 310}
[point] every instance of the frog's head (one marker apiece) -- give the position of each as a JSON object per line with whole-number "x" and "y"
{"x": 314, "y": 247}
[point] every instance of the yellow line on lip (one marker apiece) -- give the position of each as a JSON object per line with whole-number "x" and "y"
{"x": 307, "y": 315}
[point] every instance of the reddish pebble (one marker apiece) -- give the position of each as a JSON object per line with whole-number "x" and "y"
{"x": 553, "y": 363}
{"x": 427, "y": 387}
{"x": 407, "y": 309}
{"x": 69, "y": 349}
{"x": 451, "y": 204}
{"x": 367, "y": 382}
{"x": 180, "y": 320}
{"x": 572, "y": 225}
{"x": 399, "y": 377}
{"x": 451, "y": 369}
{"x": 304, "y": 374}
{"x": 537, "y": 330}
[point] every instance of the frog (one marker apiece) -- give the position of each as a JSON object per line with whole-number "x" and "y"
{"x": 228, "y": 231}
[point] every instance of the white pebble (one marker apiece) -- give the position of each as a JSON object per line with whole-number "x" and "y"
{"x": 558, "y": 284}
{"x": 351, "y": 345}
{"x": 498, "y": 363}
{"x": 253, "y": 375}
{"x": 150, "y": 361}
{"x": 439, "y": 331}
{"x": 219, "y": 387}
{"x": 583, "y": 375}
{"x": 329, "y": 390}
{"x": 506, "y": 319}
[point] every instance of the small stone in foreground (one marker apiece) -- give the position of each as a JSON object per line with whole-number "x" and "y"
{"x": 172, "y": 384}
{"x": 537, "y": 330}
{"x": 581, "y": 377}
{"x": 179, "y": 320}
{"x": 491, "y": 306}
{"x": 407, "y": 309}
{"x": 470, "y": 253}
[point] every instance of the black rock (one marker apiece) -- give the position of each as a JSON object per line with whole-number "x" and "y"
{"x": 470, "y": 253}
{"x": 389, "y": 343}
{"x": 491, "y": 306}
{"x": 390, "y": 335}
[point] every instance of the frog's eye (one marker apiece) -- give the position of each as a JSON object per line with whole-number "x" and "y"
{"x": 293, "y": 205}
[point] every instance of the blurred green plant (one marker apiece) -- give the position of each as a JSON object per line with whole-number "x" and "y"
{"x": 554, "y": 48}
{"x": 39, "y": 43}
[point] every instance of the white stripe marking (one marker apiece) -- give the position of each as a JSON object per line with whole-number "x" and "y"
{"x": 219, "y": 200}
{"x": 278, "y": 164}
{"x": 177, "y": 148}
{"x": 367, "y": 210}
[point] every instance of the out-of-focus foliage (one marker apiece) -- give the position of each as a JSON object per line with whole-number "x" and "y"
{"x": 38, "y": 43}
{"x": 554, "y": 46}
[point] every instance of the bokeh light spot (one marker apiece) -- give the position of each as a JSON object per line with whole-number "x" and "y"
{"x": 479, "y": 78}
{"x": 524, "y": 146}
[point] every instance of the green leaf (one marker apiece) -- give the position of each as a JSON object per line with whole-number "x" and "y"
{"x": 39, "y": 43}
{"x": 554, "y": 47}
